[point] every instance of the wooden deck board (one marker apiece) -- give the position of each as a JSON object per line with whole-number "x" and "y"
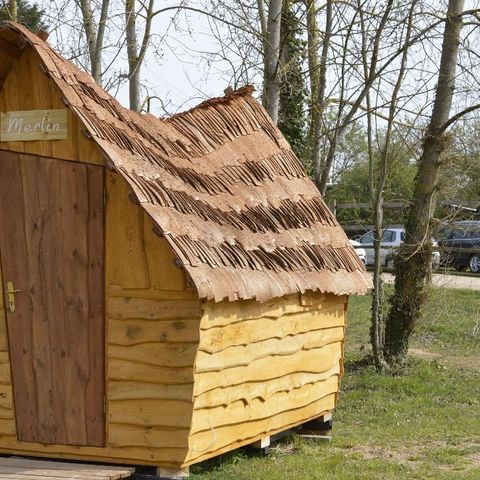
{"x": 28, "y": 469}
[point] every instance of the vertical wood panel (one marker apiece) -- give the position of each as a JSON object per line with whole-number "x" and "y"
{"x": 136, "y": 254}
{"x": 163, "y": 272}
{"x": 54, "y": 245}
{"x": 96, "y": 312}
{"x": 12, "y": 236}
{"x": 125, "y": 237}
{"x": 9, "y": 100}
{"x": 28, "y": 88}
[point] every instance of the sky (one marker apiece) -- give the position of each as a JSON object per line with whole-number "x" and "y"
{"x": 175, "y": 70}
{"x": 177, "y": 73}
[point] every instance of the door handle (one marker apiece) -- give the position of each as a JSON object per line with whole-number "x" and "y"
{"x": 11, "y": 296}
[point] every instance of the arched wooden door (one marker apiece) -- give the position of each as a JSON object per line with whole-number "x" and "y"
{"x": 52, "y": 251}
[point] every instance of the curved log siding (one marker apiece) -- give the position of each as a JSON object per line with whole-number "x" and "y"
{"x": 263, "y": 368}
{"x": 213, "y": 442}
{"x": 246, "y": 332}
{"x": 153, "y": 331}
{"x": 273, "y": 309}
{"x": 314, "y": 361}
{"x": 206, "y": 419}
{"x": 124, "y": 390}
{"x": 261, "y": 390}
{"x": 138, "y": 332}
{"x": 245, "y": 355}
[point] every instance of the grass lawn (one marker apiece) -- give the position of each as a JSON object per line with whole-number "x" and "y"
{"x": 425, "y": 424}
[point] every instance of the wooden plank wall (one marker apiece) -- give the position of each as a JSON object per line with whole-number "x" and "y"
{"x": 28, "y": 88}
{"x": 153, "y": 317}
{"x": 155, "y": 414}
{"x": 153, "y": 333}
{"x": 262, "y": 368}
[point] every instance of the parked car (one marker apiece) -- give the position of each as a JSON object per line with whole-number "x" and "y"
{"x": 459, "y": 245}
{"x": 392, "y": 238}
{"x": 359, "y": 250}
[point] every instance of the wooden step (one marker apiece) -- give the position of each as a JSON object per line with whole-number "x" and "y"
{"x": 17, "y": 468}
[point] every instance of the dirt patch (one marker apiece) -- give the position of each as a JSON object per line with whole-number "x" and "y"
{"x": 405, "y": 456}
{"x": 412, "y": 454}
{"x": 471, "y": 362}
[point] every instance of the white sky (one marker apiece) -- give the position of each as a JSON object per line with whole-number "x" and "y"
{"x": 174, "y": 70}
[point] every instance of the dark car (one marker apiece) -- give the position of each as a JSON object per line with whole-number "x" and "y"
{"x": 459, "y": 245}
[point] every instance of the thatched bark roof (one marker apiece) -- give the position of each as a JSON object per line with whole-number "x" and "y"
{"x": 221, "y": 183}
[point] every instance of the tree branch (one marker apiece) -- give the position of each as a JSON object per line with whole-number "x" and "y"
{"x": 457, "y": 116}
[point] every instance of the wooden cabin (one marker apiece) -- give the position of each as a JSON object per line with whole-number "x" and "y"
{"x": 172, "y": 289}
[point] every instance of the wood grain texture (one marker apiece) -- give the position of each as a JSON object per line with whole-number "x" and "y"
{"x": 128, "y": 371}
{"x": 313, "y": 361}
{"x": 22, "y": 468}
{"x": 28, "y": 125}
{"x": 28, "y": 88}
{"x": 153, "y": 310}
{"x": 262, "y": 390}
{"x": 246, "y": 355}
{"x": 148, "y": 413}
{"x": 53, "y": 237}
{"x": 235, "y": 413}
{"x": 261, "y": 366}
{"x": 124, "y": 390}
{"x": 143, "y": 308}
{"x": 208, "y": 444}
{"x": 138, "y": 331}
{"x": 125, "y": 234}
{"x": 217, "y": 338}
{"x": 229, "y": 313}
{"x": 159, "y": 410}
{"x": 144, "y": 455}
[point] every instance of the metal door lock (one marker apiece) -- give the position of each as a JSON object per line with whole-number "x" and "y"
{"x": 11, "y": 296}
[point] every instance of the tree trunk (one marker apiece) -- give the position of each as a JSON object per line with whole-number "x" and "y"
{"x": 312, "y": 50}
{"x": 12, "y": 8}
{"x": 323, "y": 167}
{"x": 414, "y": 258}
{"x": 271, "y": 81}
{"x": 377, "y": 186}
{"x": 136, "y": 53}
{"x": 319, "y": 106}
{"x": 91, "y": 34}
{"x": 94, "y": 34}
{"x": 132, "y": 51}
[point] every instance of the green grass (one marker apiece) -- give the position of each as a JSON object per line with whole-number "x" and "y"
{"x": 450, "y": 323}
{"x": 421, "y": 425}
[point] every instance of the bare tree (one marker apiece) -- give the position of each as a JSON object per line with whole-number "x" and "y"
{"x": 136, "y": 52}
{"x": 12, "y": 7}
{"x": 413, "y": 262}
{"x": 319, "y": 76}
{"x": 271, "y": 27}
{"x": 95, "y": 35}
{"x": 377, "y": 179}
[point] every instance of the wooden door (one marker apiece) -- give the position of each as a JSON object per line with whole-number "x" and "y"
{"x": 52, "y": 250}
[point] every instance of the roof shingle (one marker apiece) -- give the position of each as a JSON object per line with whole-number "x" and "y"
{"x": 223, "y": 186}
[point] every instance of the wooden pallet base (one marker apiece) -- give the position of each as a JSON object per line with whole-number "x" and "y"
{"x": 19, "y": 468}
{"x": 168, "y": 474}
